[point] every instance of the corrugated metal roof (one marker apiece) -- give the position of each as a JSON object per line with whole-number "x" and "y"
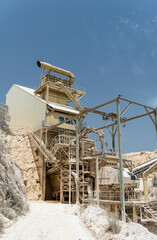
{"x": 30, "y": 91}
{"x": 63, "y": 108}
{"x": 55, "y": 106}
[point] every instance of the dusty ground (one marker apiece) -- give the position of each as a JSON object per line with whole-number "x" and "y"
{"x": 48, "y": 221}
{"x": 55, "y": 221}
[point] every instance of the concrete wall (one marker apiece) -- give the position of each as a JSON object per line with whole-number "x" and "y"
{"x": 25, "y": 109}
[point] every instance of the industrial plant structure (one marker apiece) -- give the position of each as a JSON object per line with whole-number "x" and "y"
{"x": 70, "y": 167}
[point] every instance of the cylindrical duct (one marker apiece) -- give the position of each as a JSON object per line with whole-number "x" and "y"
{"x": 61, "y": 71}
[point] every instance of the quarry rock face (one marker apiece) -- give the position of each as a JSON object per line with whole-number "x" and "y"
{"x": 20, "y": 151}
{"x": 140, "y": 157}
{"x": 13, "y": 200}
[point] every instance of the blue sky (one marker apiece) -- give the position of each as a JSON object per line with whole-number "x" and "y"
{"x": 110, "y": 46}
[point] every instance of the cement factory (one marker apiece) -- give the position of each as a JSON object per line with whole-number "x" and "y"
{"x": 71, "y": 169}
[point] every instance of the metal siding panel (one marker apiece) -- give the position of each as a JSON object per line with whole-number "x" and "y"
{"x": 25, "y": 110}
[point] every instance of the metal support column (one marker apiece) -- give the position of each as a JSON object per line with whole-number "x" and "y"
{"x": 145, "y": 189}
{"x": 69, "y": 178}
{"x": 120, "y": 163}
{"x": 97, "y": 181}
{"x": 61, "y": 185}
{"x": 135, "y": 214}
{"x": 47, "y": 92}
{"x": 77, "y": 160}
{"x": 155, "y": 116}
{"x": 113, "y": 139}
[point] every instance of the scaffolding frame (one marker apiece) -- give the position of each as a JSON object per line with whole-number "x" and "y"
{"x": 60, "y": 140}
{"x": 118, "y": 121}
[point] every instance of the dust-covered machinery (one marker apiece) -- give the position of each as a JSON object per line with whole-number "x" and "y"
{"x": 110, "y": 175}
{"x": 109, "y": 183}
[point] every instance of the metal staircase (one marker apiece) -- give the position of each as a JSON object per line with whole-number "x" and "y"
{"x": 148, "y": 213}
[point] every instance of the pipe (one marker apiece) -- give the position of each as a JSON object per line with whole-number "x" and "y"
{"x": 61, "y": 71}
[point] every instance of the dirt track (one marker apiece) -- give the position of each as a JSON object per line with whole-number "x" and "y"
{"x": 48, "y": 221}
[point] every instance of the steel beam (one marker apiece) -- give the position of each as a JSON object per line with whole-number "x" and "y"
{"x": 104, "y": 114}
{"x": 125, "y": 120}
{"x": 139, "y": 104}
{"x": 100, "y": 106}
{"x": 124, "y": 110}
{"x": 150, "y": 116}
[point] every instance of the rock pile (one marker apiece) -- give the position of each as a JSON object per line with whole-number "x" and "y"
{"x": 98, "y": 222}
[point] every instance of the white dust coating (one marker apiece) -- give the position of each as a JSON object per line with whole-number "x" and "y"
{"x": 55, "y": 221}
{"x": 97, "y": 221}
{"x": 22, "y": 154}
{"x": 140, "y": 157}
{"x": 12, "y": 190}
{"x": 48, "y": 221}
